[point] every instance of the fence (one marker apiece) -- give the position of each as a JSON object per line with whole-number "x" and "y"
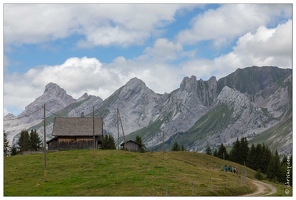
{"x": 214, "y": 184}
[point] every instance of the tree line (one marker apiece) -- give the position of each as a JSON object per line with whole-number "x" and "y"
{"x": 31, "y": 142}
{"x": 176, "y": 147}
{"x": 26, "y": 142}
{"x": 260, "y": 158}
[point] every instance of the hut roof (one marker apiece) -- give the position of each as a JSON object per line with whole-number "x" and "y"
{"x": 77, "y": 126}
{"x": 130, "y": 141}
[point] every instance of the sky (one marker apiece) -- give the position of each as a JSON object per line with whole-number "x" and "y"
{"x": 97, "y": 48}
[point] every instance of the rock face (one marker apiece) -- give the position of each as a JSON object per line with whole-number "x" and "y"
{"x": 200, "y": 113}
{"x": 55, "y": 98}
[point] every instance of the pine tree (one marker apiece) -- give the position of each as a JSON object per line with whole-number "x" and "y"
{"x": 14, "y": 150}
{"x": 208, "y": 151}
{"x": 108, "y": 142}
{"x": 111, "y": 142}
{"x": 222, "y": 153}
{"x": 243, "y": 150}
{"x": 215, "y": 153}
{"x": 234, "y": 154}
{"x": 258, "y": 157}
{"x": 265, "y": 158}
{"x": 140, "y": 142}
{"x": 251, "y": 157}
{"x": 274, "y": 167}
{"x": 5, "y": 145}
{"x": 35, "y": 141}
{"x": 104, "y": 142}
{"x": 182, "y": 148}
{"x": 283, "y": 177}
{"x": 175, "y": 147}
{"x": 291, "y": 171}
{"x": 24, "y": 141}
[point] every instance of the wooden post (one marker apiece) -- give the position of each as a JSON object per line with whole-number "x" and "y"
{"x": 121, "y": 126}
{"x": 192, "y": 189}
{"x": 162, "y": 144}
{"x": 117, "y": 119}
{"x": 245, "y": 172}
{"x": 44, "y": 144}
{"x": 211, "y": 184}
{"x": 241, "y": 179}
{"x": 94, "y": 127}
{"x": 166, "y": 191}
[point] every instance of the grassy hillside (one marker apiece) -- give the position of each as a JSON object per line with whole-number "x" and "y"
{"x": 215, "y": 121}
{"x": 121, "y": 173}
{"x": 274, "y": 137}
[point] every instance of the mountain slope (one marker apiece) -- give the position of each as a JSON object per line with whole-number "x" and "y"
{"x": 197, "y": 114}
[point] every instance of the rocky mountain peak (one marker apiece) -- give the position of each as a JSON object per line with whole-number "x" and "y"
{"x": 54, "y": 97}
{"x": 188, "y": 83}
{"x": 135, "y": 83}
{"x": 9, "y": 116}
{"x": 84, "y": 96}
{"x": 52, "y": 88}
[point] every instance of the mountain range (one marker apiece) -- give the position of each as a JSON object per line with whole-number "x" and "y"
{"x": 254, "y": 102}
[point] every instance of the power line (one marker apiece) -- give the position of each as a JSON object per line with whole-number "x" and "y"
{"x": 129, "y": 117}
{"x": 24, "y": 115}
{"x": 53, "y": 113}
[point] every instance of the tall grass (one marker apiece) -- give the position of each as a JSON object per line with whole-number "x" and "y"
{"x": 122, "y": 173}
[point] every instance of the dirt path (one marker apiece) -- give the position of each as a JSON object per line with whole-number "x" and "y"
{"x": 264, "y": 189}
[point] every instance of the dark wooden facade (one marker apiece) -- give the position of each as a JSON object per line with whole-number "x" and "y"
{"x": 73, "y": 142}
{"x": 132, "y": 146}
{"x": 76, "y": 133}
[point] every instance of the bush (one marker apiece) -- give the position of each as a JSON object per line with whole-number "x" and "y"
{"x": 258, "y": 175}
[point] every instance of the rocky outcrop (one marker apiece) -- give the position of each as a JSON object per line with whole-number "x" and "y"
{"x": 255, "y": 99}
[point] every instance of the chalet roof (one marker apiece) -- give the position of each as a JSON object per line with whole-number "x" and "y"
{"x": 128, "y": 142}
{"x": 77, "y": 126}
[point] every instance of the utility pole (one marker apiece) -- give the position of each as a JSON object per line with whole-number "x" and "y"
{"x": 117, "y": 120}
{"x": 94, "y": 138}
{"x": 245, "y": 172}
{"x": 44, "y": 144}
{"x": 162, "y": 144}
{"x": 121, "y": 125}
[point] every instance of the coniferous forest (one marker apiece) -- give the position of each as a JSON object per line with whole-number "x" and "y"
{"x": 267, "y": 164}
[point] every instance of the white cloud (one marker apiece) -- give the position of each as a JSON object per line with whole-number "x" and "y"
{"x": 133, "y": 24}
{"x": 75, "y": 75}
{"x": 230, "y": 21}
{"x": 264, "y": 47}
{"x": 80, "y": 75}
{"x": 100, "y": 24}
{"x": 36, "y": 23}
{"x": 163, "y": 49}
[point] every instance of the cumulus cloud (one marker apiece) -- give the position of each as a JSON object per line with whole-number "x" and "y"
{"x": 98, "y": 24}
{"x": 264, "y": 47}
{"x": 230, "y": 21}
{"x": 75, "y": 75}
{"x": 80, "y": 75}
{"x": 163, "y": 49}
{"x": 161, "y": 65}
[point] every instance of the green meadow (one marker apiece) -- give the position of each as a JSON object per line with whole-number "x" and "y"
{"x": 123, "y": 173}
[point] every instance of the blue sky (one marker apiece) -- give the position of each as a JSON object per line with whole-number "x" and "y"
{"x": 97, "y": 48}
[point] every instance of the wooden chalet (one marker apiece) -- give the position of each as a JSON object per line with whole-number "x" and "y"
{"x": 132, "y": 146}
{"x": 76, "y": 133}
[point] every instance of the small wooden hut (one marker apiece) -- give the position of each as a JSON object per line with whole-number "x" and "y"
{"x": 132, "y": 146}
{"x": 76, "y": 133}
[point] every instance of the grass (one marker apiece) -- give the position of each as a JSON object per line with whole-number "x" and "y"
{"x": 121, "y": 173}
{"x": 272, "y": 136}
{"x": 282, "y": 189}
